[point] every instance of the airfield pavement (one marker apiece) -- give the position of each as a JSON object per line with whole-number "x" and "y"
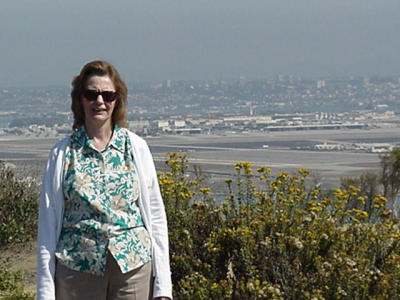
{"x": 216, "y": 154}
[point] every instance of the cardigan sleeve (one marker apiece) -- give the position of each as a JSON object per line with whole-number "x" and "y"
{"x": 159, "y": 228}
{"x": 160, "y": 234}
{"x": 51, "y": 206}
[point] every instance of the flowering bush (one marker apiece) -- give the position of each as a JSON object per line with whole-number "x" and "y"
{"x": 18, "y": 208}
{"x": 18, "y": 221}
{"x": 274, "y": 238}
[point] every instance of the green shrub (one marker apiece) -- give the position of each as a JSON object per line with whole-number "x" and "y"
{"x": 11, "y": 287}
{"x": 18, "y": 208}
{"x": 274, "y": 238}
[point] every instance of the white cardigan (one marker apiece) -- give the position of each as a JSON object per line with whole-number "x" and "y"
{"x": 51, "y": 210}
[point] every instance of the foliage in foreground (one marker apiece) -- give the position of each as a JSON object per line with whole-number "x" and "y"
{"x": 11, "y": 287}
{"x": 18, "y": 221}
{"x": 274, "y": 238}
{"x": 18, "y": 208}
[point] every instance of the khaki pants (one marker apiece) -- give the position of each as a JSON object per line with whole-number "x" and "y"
{"x": 134, "y": 285}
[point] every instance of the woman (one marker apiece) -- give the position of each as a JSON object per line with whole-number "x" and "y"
{"x": 102, "y": 223}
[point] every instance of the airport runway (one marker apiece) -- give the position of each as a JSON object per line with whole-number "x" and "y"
{"x": 216, "y": 154}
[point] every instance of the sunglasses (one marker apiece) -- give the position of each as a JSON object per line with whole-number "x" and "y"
{"x": 92, "y": 95}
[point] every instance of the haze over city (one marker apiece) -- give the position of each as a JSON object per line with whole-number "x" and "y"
{"x": 46, "y": 42}
{"x": 273, "y": 79}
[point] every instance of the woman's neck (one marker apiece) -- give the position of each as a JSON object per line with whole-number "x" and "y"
{"x": 100, "y": 135}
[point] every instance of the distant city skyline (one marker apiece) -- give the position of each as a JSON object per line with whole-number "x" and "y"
{"x": 46, "y": 42}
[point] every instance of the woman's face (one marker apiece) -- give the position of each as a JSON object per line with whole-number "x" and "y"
{"x": 97, "y": 111}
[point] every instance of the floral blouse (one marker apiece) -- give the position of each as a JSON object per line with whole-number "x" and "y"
{"x": 101, "y": 214}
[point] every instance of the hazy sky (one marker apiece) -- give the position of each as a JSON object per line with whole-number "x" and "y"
{"x": 47, "y": 42}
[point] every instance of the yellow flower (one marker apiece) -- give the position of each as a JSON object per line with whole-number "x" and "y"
{"x": 353, "y": 190}
{"x": 303, "y": 172}
{"x": 205, "y": 191}
{"x": 360, "y": 213}
{"x": 264, "y": 170}
{"x": 379, "y": 201}
{"x": 361, "y": 199}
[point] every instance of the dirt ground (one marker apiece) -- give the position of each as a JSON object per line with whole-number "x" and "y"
{"x": 21, "y": 257}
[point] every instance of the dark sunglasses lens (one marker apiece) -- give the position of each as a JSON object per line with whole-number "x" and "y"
{"x": 90, "y": 95}
{"x": 108, "y": 96}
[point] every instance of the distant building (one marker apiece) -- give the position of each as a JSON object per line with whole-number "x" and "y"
{"x": 179, "y": 123}
{"x": 320, "y": 84}
{"x": 138, "y": 124}
{"x": 187, "y": 131}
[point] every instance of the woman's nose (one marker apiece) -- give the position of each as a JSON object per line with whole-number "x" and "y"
{"x": 99, "y": 98}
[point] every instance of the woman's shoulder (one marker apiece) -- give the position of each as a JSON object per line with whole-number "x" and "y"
{"x": 135, "y": 139}
{"x": 61, "y": 145}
